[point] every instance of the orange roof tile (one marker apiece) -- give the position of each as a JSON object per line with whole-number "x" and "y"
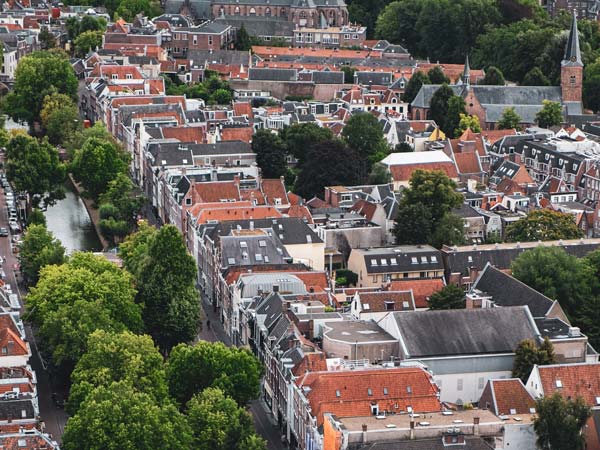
{"x": 346, "y": 393}
{"x": 576, "y": 380}
{"x": 404, "y": 172}
{"x": 495, "y": 135}
{"x": 243, "y": 134}
{"x": 243, "y": 109}
{"x": 236, "y": 213}
{"x": 274, "y": 188}
{"x": 318, "y": 281}
{"x": 421, "y": 289}
{"x": 467, "y": 162}
{"x": 300, "y": 211}
{"x": 365, "y": 208}
{"x": 510, "y": 397}
{"x": 380, "y": 301}
{"x": 184, "y": 134}
{"x": 312, "y": 362}
{"x": 215, "y": 191}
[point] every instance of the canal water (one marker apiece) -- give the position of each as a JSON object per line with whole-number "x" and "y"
{"x": 69, "y": 221}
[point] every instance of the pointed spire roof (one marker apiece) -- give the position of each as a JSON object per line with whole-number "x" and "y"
{"x": 572, "y": 51}
{"x": 466, "y": 76}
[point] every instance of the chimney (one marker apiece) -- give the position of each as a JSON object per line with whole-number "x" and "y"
{"x": 476, "y": 426}
{"x": 275, "y": 288}
{"x": 412, "y": 429}
{"x": 364, "y": 433}
{"x": 251, "y": 225}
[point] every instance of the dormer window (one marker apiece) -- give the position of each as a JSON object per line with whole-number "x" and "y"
{"x": 114, "y": 76}
{"x": 129, "y": 76}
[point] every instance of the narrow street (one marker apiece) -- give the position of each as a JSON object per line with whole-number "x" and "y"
{"x": 263, "y": 421}
{"x": 53, "y": 417}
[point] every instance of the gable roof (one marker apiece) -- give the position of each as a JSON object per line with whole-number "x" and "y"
{"x": 509, "y": 396}
{"x": 576, "y": 380}
{"x": 386, "y": 301}
{"x": 465, "y": 331}
{"x": 421, "y": 289}
{"x": 506, "y": 290}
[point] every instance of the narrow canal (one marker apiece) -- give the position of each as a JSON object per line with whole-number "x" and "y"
{"x": 69, "y": 221}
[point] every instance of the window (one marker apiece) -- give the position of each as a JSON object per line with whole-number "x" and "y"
{"x": 385, "y": 391}
{"x": 262, "y": 243}
{"x": 559, "y": 384}
{"x": 370, "y": 392}
{"x": 129, "y": 76}
{"x": 393, "y": 261}
{"x": 512, "y": 411}
{"x": 405, "y": 305}
{"x": 374, "y": 278}
{"x": 346, "y": 36}
{"x": 434, "y": 259}
{"x": 243, "y": 244}
{"x": 231, "y": 261}
{"x": 423, "y": 259}
{"x": 572, "y": 80}
{"x": 408, "y": 389}
{"x": 414, "y": 260}
{"x": 338, "y": 394}
{"x": 188, "y": 201}
{"x": 355, "y": 36}
{"x": 389, "y": 305}
{"x": 114, "y": 76}
{"x": 252, "y": 11}
{"x": 258, "y": 257}
{"x": 210, "y": 40}
{"x": 195, "y": 39}
{"x": 268, "y": 12}
{"x": 383, "y": 262}
{"x": 5, "y": 350}
{"x": 459, "y": 384}
{"x": 374, "y": 262}
{"x": 236, "y": 11}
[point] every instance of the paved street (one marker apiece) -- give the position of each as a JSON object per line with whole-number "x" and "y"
{"x": 53, "y": 417}
{"x": 263, "y": 420}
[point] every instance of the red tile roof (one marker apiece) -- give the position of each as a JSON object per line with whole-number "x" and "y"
{"x": 236, "y": 213}
{"x": 379, "y": 301}
{"x": 510, "y": 397}
{"x": 467, "y": 162}
{"x": 243, "y": 134}
{"x": 294, "y": 199}
{"x": 495, "y": 135}
{"x": 346, "y": 393}
{"x": 10, "y": 337}
{"x": 215, "y": 191}
{"x": 312, "y": 362}
{"x": 421, "y": 289}
{"x": 300, "y": 211}
{"x": 404, "y": 172}
{"x": 576, "y": 380}
{"x": 184, "y": 134}
{"x": 316, "y": 280}
{"x": 274, "y": 188}
{"x": 365, "y": 208}
{"x": 243, "y": 109}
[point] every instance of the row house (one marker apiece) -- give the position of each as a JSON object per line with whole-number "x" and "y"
{"x": 16, "y": 45}
{"x": 208, "y": 36}
{"x": 358, "y": 99}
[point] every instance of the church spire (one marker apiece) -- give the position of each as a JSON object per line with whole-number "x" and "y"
{"x": 572, "y": 52}
{"x": 466, "y": 76}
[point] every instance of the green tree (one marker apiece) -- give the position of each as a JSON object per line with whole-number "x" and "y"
{"x": 364, "y": 135}
{"x": 450, "y": 230}
{"x": 365, "y": 12}
{"x": 348, "y": 74}
{"x": 72, "y": 300}
{"x": 134, "y": 250}
{"x": 118, "y": 417}
{"x": 528, "y": 354}
{"x": 119, "y": 207}
{"x": 59, "y": 117}
{"x": 129, "y": 8}
{"x": 535, "y": 77}
{"x": 36, "y": 217}
{"x": 559, "y": 423}
{"x": 166, "y": 283}
{"x": 344, "y": 168}
{"x": 118, "y": 357}
{"x": 97, "y": 163}
{"x": 270, "y": 153}
{"x": 413, "y": 224}
{"x": 38, "y": 249}
{"x": 543, "y": 225}
{"x": 449, "y": 297}
{"x": 591, "y": 86}
{"x": 451, "y": 123}
{"x": 413, "y": 86}
{"x": 243, "y": 40}
{"x": 87, "y": 41}
{"x": 299, "y": 138}
{"x": 37, "y": 75}
{"x": 438, "y": 108}
{"x": 558, "y": 275}
{"x": 191, "y": 369}
{"x": 509, "y": 120}
{"x": 437, "y": 76}
{"x": 550, "y": 115}
{"x": 493, "y": 77}
{"x": 46, "y": 38}
{"x": 221, "y": 97}
{"x": 34, "y": 167}
{"x": 403, "y": 147}
{"x": 91, "y": 23}
{"x": 379, "y": 174}
{"x": 218, "y": 423}
{"x": 467, "y": 121}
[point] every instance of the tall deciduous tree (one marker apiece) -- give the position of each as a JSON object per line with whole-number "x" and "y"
{"x": 543, "y": 225}
{"x": 166, "y": 283}
{"x": 467, "y": 121}
{"x": 118, "y": 417}
{"x": 235, "y": 371}
{"x": 529, "y": 354}
{"x": 509, "y": 120}
{"x": 437, "y": 76}
{"x": 450, "y": 297}
{"x": 118, "y": 357}
{"x": 438, "y": 108}
{"x": 87, "y": 41}
{"x": 343, "y": 168}
{"x": 218, "y": 423}
{"x": 60, "y": 117}
{"x": 493, "y": 77}
{"x": 535, "y": 77}
{"x": 97, "y": 163}
{"x": 413, "y": 224}
{"x": 299, "y": 138}
{"x": 364, "y": 135}
{"x": 456, "y": 108}
{"x": 413, "y": 87}
{"x": 129, "y": 8}
{"x": 134, "y": 250}
{"x": 550, "y": 115}
{"x": 73, "y": 300}
{"x": 38, "y": 249}
{"x": 270, "y": 153}
{"x": 37, "y": 75}
{"x": 34, "y": 167}
{"x": 559, "y": 423}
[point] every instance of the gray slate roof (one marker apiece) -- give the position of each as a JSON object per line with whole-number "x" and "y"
{"x": 465, "y": 331}
{"x": 471, "y": 443}
{"x": 269, "y": 74}
{"x": 252, "y": 250}
{"x": 290, "y": 230}
{"x": 506, "y": 290}
{"x": 260, "y": 26}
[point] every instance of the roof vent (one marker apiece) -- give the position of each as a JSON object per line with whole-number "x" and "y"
{"x": 574, "y": 332}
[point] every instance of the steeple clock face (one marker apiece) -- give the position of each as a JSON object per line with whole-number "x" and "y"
{"x": 573, "y": 58}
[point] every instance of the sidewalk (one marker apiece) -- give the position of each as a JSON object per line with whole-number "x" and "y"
{"x": 216, "y": 333}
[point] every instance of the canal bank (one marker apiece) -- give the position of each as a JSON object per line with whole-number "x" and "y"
{"x": 70, "y": 221}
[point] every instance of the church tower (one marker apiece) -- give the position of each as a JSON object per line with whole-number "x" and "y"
{"x": 571, "y": 70}
{"x": 466, "y": 75}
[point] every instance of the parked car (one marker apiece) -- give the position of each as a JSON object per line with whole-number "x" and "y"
{"x": 3, "y": 232}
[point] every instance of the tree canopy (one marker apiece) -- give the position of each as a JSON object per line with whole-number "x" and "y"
{"x": 270, "y": 153}
{"x": 299, "y": 138}
{"x": 87, "y": 41}
{"x": 449, "y": 297}
{"x": 528, "y": 354}
{"x": 550, "y": 115}
{"x": 191, "y": 369}
{"x": 38, "y": 75}
{"x": 559, "y": 423}
{"x": 543, "y": 225}
{"x": 413, "y": 86}
{"x": 364, "y": 135}
{"x": 118, "y": 417}
{"x": 438, "y": 108}
{"x": 493, "y": 77}
{"x": 74, "y": 299}
{"x": 166, "y": 287}
{"x": 118, "y": 357}
{"x": 38, "y": 249}
{"x": 509, "y": 120}
{"x": 60, "y": 117}
{"x": 437, "y": 76}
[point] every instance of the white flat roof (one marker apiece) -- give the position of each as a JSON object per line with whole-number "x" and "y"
{"x": 400, "y": 159}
